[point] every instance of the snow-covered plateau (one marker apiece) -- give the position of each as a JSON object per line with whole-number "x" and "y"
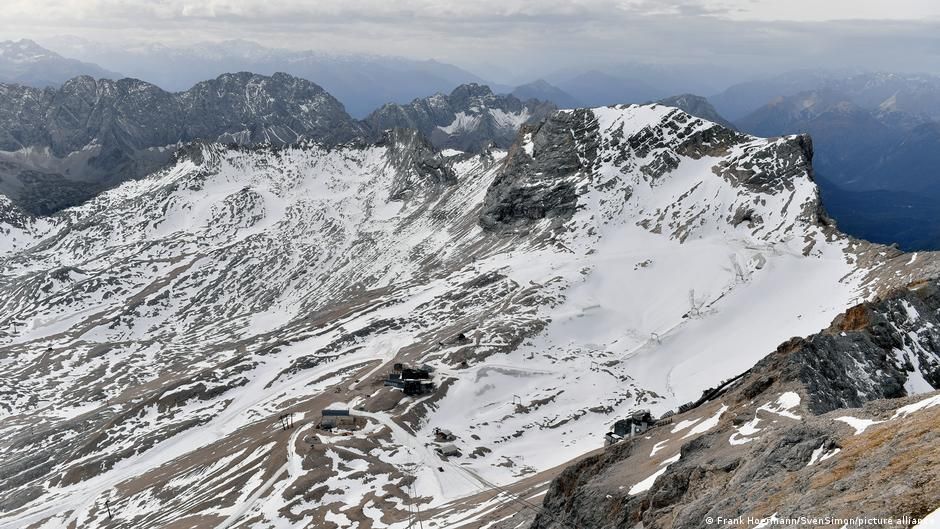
{"x": 153, "y": 339}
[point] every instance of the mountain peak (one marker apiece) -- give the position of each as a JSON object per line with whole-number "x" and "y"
{"x": 129, "y": 128}
{"x": 471, "y": 118}
{"x": 471, "y": 90}
{"x": 541, "y": 89}
{"x": 26, "y": 62}
{"x": 539, "y": 83}
{"x": 697, "y": 106}
{"x": 25, "y": 51}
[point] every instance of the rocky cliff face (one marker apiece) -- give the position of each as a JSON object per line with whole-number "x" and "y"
{"x": 60, "y": 146}
{"x": 469, "y": 119}
{"x": 540, "y": 175}
{"x": 841, "y": 424}
{"x": 419, "y": 168}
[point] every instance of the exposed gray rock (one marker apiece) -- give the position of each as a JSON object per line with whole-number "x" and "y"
{"x": 420, "y": 166}
{"x": 774, "y": 167}
{"x": 60, "y": 146}
{"x": 805, "y": 462}
{"x": 868, "y": 353}
{"x": 697, "y": 106}
{"x": 541, "y": 184}
{"x": 471, "y": 118}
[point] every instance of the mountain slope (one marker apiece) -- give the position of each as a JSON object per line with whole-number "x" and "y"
{"x": 59, "y": 147}
{"x": 875, "y": 156}
{"x": 25, "y": 62}
{"x": 469, "y": 119}
{"x": 155, "y": 338}
{"x": 805, "y": 432}
{"x": 595, "y": 88}
{"x": 542, "y": 90}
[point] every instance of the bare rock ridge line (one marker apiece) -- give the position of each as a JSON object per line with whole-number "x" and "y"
{"x": 61, "y": 146}
{"x": 468, "y": 119}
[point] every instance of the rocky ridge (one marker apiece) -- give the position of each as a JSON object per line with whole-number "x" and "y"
{"x": 697, "y": 106}
{"x": 61, "y": 146}
{"x": 839, "y": 424}
{"x": 469, "y": 119}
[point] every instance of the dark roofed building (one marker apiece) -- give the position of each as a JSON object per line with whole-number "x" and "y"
{"x": 638, "y": 422}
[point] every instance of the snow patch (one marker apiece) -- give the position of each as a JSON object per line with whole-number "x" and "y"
{"x": 647, "y": 483}
{"x": 707, "y": 424}
{"x": 783, "y": 404}
{"x": 860, "y": 425}
{"x": 929, "y": 402}
{"x": 744, "y": 432}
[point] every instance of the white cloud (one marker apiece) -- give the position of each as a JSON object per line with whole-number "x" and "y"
{"x": 138, "y": 13}
{"x": 828, "y": 10}
{"x": 520, "y": 35}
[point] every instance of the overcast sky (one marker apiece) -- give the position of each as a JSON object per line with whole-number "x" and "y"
{"x": 522, "y": 35}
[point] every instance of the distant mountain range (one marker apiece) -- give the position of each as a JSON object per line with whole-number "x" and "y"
{"x": 542, "y": 90}
{"x": 26, "y": 62}
{"x": 873, "y": 132}
{"x": 595, "y": 88}
{"x": 60, "y": 146}
{"x": 878, "y": 146}
{"x": 917, "y": 94}
{"x": 877, "y": 151}
{"x": 848, "y": 138}
{"x": 362, "y": 82}
{"x": 739, "y": 100}
{"x": 469, "y": 119}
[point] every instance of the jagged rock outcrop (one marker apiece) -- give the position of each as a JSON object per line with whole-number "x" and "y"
{"x": 697, "y": 106}
{"x": 418, "y": 166}
{"x": 814, "y": 429}
{"x": 541, "y": 171}
{"x": 60, "y": 146}
{"x": 887, "y": 349}
{"x": 469, "y": 119}
{"x": 539, "y": 176}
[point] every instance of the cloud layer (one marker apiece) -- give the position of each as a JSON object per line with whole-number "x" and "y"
{"x": 523, "y": 36}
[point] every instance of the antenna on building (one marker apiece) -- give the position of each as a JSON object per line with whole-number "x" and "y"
{"x": 738, "y": 271}
{"x": 695, "y": 307}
